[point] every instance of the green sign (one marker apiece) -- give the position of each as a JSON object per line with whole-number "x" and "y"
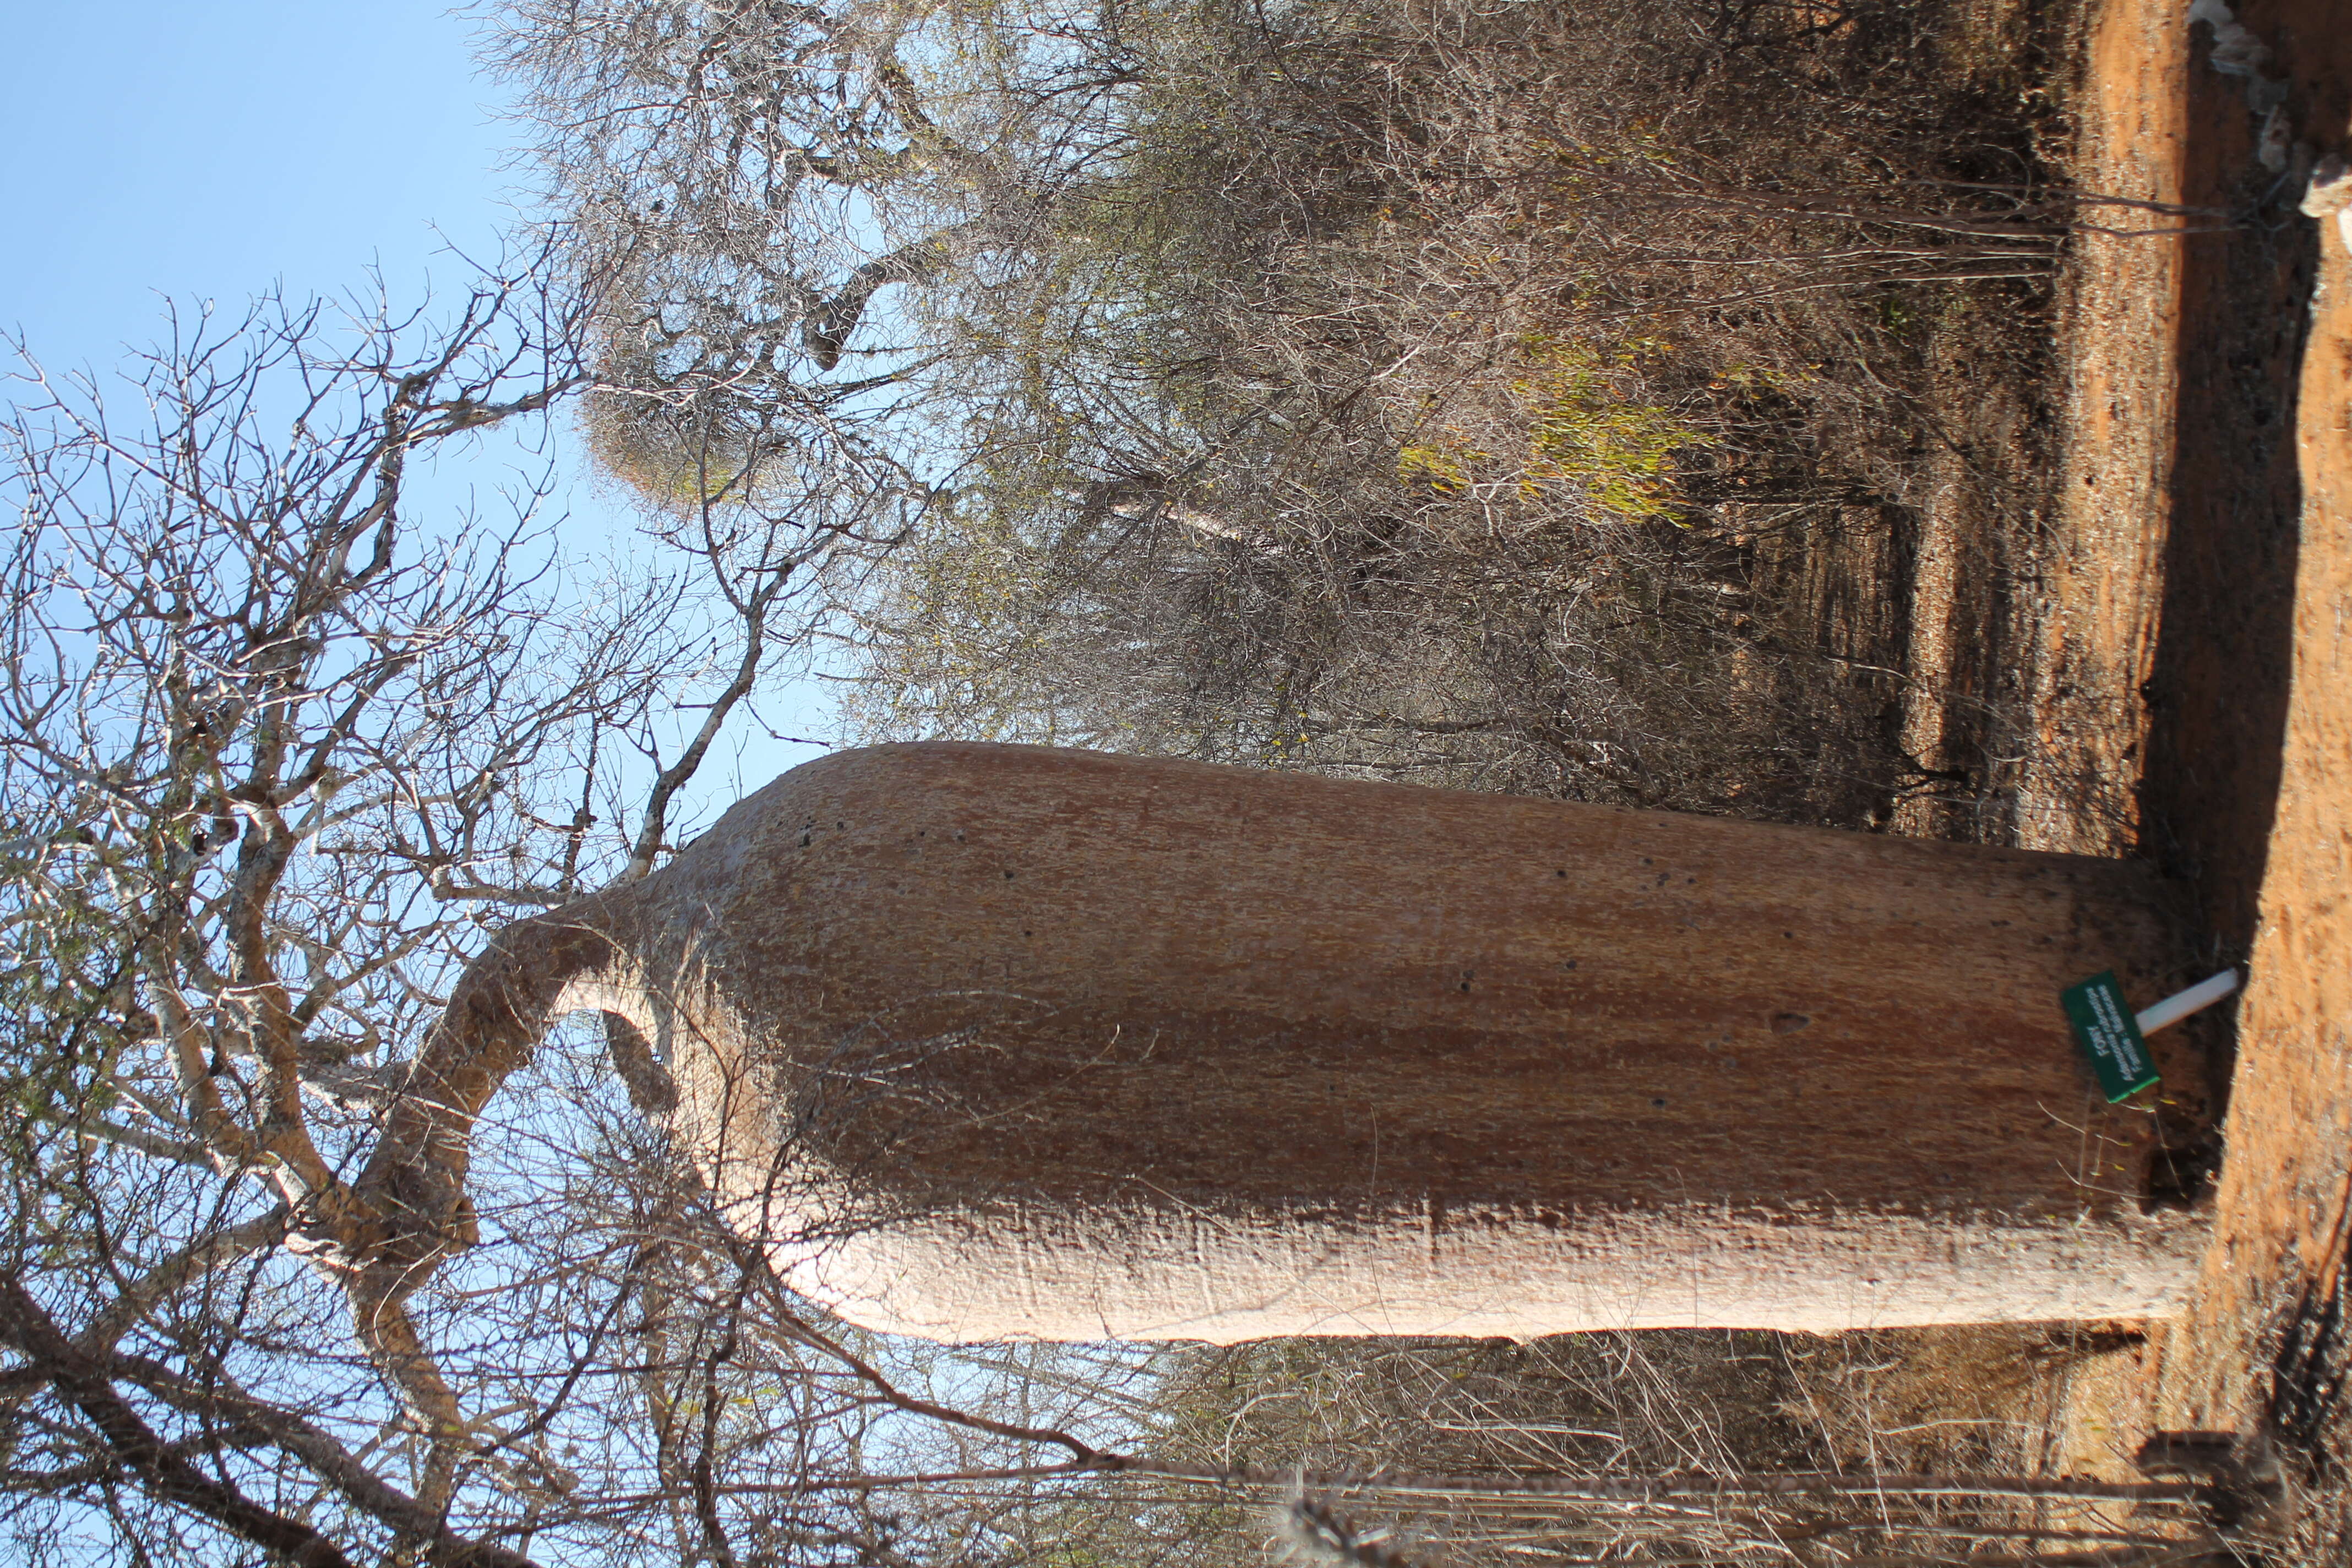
{"x": 2109, "y": 1036}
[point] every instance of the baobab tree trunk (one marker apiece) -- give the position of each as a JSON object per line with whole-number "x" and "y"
{"x": 989, "y": 1041}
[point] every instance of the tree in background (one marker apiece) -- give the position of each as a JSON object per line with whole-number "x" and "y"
{"x": 1428, "y": 393}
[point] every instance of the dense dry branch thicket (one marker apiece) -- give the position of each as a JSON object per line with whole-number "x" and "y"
{"x": 1484, "y": 396}
{"x": 1470, "y": 395}
{"x": 1706, "y": 1449}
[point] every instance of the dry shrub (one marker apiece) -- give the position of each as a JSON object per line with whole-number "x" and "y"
{"x": 1414, "y": 1444}
{"x": 2298, "y": 1508}
{"x": 1490, "y": 393}
{"x": 1627, "y": 1403}
{"x": 1959, "y": 1399}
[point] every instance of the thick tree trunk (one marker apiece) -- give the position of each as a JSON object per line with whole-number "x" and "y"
{"x": 997, "y": 1041}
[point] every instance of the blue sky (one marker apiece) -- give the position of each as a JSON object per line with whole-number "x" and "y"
{"x": 211, "y": 149}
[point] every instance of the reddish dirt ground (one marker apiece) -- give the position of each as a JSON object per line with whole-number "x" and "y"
{"x": 2193, "y": 673}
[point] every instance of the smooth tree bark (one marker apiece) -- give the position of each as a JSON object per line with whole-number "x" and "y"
{"x": 992, "y": 1041}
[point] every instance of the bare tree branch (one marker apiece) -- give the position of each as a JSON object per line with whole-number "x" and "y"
{"x": 80, "y": 1380}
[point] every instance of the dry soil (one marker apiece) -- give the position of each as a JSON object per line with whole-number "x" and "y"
{"x": 2192, "y": 668}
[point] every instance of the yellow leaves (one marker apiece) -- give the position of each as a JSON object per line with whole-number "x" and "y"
{"x": 1286, "y": 747}
{"x": 1747, "y": 377}
{"x": 1443, "y": 468}
{"x": 1587, "y": 428}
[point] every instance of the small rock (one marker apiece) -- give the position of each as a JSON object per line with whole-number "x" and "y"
{"x": 2237, "y": 52}
{"x": 2278, "y": 135}
{"x": 2331, "y": 188}
{"x": 2330, "y": 194}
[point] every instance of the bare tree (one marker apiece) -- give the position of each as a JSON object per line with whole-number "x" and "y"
{"x": 276, "y": 743}
{"x": 749, "y": 178}
{"x": 728, "y": 167}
